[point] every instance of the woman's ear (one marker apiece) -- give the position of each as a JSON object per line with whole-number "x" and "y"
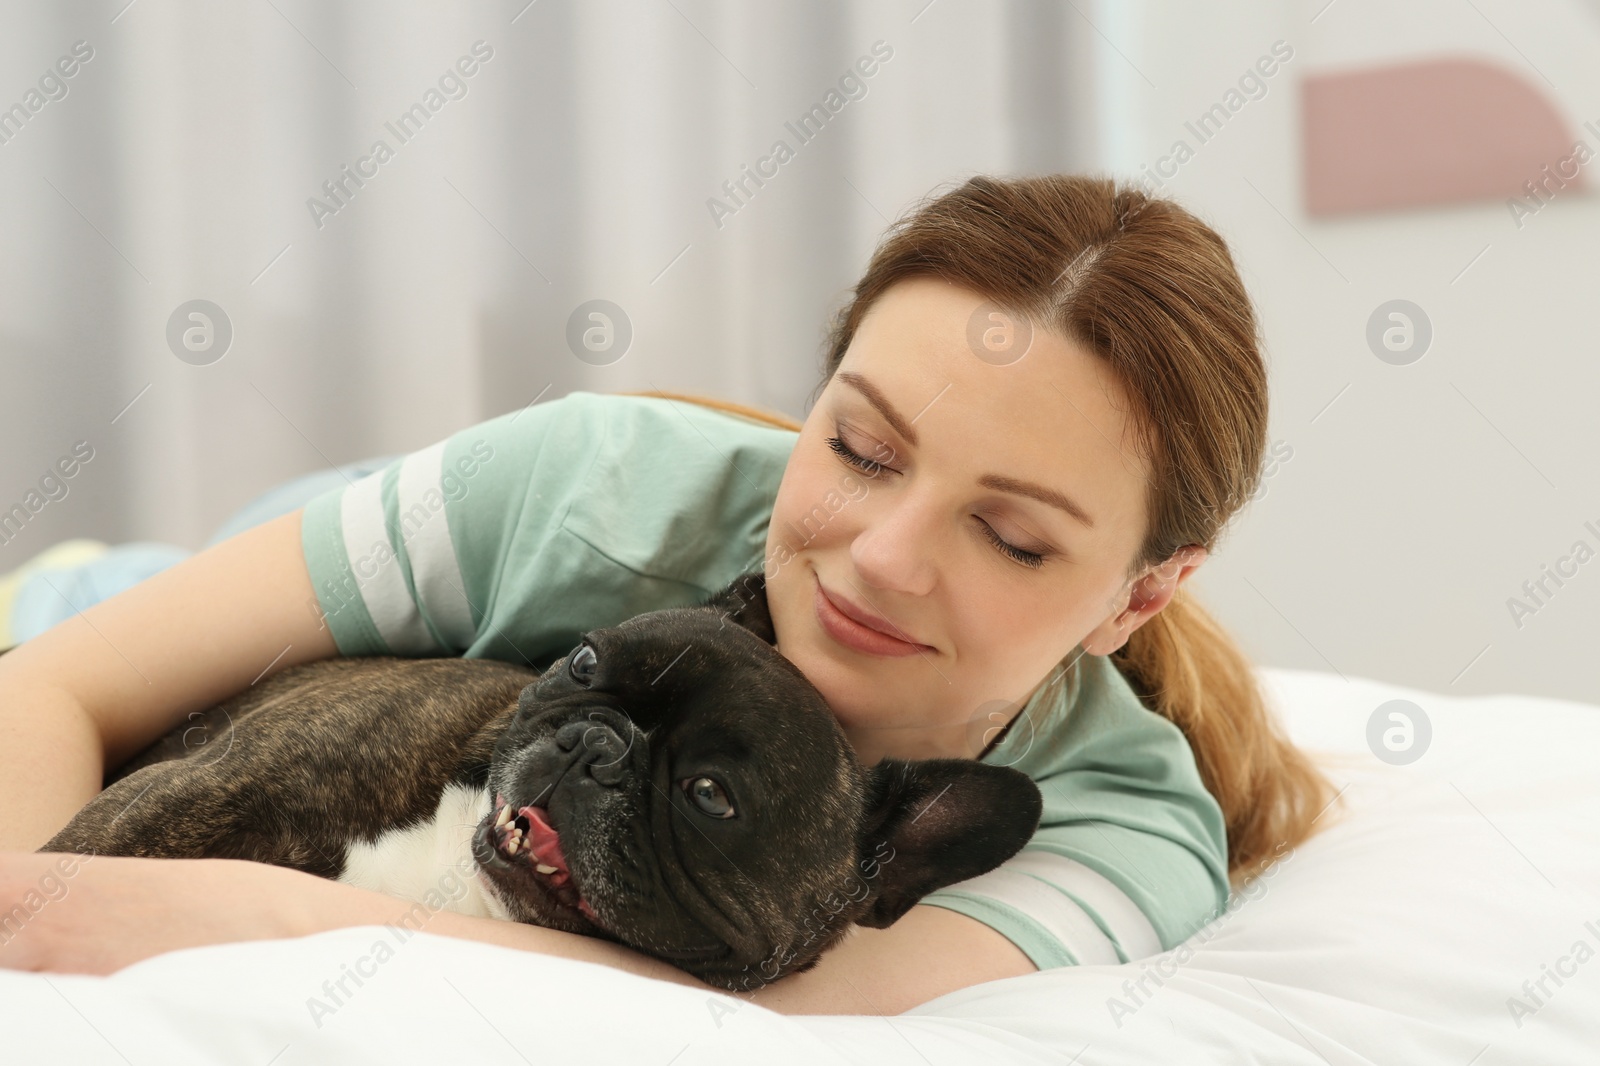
{"x": 1143, "y": 599}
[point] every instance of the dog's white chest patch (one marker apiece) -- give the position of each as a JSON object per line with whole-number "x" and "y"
{"x": 430, "y": 863}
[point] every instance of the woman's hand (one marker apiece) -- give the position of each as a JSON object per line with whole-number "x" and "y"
{"x": 85, "y": 914}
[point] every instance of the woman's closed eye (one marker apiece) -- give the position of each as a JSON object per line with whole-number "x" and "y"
{"x": 872, "y": 468}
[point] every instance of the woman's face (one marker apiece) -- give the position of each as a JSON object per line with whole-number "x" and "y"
{"x": 913, "y": 541}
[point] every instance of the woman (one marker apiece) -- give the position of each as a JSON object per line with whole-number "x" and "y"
{"x": 1040, "y": 408}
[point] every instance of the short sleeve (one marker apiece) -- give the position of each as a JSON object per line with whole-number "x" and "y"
{"x": 509, "y": 539}
{"x": 1130, "y": 857}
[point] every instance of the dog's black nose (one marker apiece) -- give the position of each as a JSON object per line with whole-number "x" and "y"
{"x": 599, "y": 747}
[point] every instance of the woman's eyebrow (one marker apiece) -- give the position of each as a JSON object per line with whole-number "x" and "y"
{"x": 1001, "y": 483}
{"x": 877, "y": 399}
{"x": 998, "y": 482}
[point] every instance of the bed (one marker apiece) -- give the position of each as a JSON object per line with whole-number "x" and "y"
{"x": 1449, "y": 913}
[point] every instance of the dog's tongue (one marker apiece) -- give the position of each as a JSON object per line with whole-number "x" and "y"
{"x": 542, "y": 840}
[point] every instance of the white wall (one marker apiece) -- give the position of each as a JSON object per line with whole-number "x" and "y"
{"x": 1418, "y": 503}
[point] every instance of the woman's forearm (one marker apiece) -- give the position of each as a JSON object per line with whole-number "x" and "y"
{"x": 566, "y": 945}
{"x": 51, "y": 763}
{"x": 358, "y": 906}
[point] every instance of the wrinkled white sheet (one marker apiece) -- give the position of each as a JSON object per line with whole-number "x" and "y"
{"x": 1403, "y": 933}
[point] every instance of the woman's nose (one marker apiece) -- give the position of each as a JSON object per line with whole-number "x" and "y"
{"x": 898, "y": 547}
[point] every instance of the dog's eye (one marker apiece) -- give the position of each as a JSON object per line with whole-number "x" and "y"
{"x": 709, "y": 795}
{"x": 581, "y": 664}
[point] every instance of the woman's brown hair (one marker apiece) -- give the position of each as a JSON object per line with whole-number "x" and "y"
{"x": 1154, "y": 292}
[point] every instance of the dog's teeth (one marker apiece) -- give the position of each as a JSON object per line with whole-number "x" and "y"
{"x": 542, "y": 868}
{"x": 511, "y": 848}
{"x": 505, "y": 816}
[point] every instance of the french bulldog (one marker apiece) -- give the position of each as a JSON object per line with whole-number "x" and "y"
{"x": 673, "y": 784}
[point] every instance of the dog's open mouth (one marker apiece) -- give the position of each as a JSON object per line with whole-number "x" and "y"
{"x": 524, "y": 839}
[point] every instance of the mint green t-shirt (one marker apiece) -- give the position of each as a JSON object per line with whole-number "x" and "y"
{"x": 509, "y": 539}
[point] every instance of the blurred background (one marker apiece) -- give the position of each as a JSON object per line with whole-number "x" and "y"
{"x": 1402, "y": 186}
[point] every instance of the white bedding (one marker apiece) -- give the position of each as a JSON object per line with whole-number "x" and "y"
{"x": 1401, "y": 934}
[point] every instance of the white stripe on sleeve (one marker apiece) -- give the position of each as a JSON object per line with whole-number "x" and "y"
{"x": 1116, "y": 911}
{"x": 377, "y": 572}
{"x": 1060, "y": 917}
{"x": 434, "y": 569}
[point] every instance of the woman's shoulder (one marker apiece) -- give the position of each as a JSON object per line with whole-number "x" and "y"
{"x": 1101, "y": 753}
{"x": 1122, "y": 794}
{"x": 566, "y": 504}
{"x": 1102, "y": 744}
{"x": 610, "y": 466}
{"x": 629, "y": 419}
{"x": 1086, "y": 714}
{"x": 674, "y": 489}
{"x": 659, "y": 486}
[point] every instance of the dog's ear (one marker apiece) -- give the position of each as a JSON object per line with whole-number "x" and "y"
{"x": 744, "y": 602}
{"x": 933, "y": 822}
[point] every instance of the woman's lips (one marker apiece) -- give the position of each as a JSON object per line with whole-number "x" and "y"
{"x": 854, "y": 635}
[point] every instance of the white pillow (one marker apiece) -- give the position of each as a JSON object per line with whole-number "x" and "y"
{"x": 1403, "y": 933}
